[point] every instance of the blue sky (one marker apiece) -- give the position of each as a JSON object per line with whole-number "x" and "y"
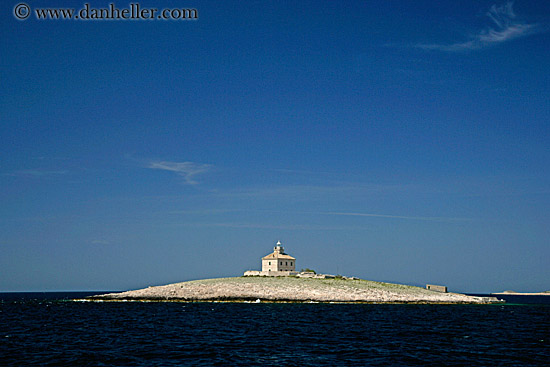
{"x": 394, "y": 141}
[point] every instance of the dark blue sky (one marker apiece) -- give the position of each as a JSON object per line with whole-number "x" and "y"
{"x": 394, "y": 141}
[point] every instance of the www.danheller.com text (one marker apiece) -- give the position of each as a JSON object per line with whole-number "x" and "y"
{"x": 134, "y": 11}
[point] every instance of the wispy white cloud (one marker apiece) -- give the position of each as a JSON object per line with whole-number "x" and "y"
{"x": 187, "y": 170}
{"x": 505, "y": 27}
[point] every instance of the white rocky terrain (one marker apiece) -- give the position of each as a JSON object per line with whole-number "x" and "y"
{"x": 291, "y": 289}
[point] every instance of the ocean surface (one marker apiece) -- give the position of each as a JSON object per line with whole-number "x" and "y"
{"x": 47, "y": 329}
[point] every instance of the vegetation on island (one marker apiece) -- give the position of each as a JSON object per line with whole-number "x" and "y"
{"x": 308, "y": 270}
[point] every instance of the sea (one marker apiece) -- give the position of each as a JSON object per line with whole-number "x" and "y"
{"x": 49, "y": 329}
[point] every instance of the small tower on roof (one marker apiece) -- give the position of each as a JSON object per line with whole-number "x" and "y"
{"x": 278, "y": 260}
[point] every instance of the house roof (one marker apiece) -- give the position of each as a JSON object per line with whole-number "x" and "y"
{"x": 277, "y": 255}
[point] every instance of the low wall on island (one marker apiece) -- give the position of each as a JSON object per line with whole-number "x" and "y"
{"x": 291, "y": 289}
{"x": 259, "y": 273}
{"x": 301, "y": 274}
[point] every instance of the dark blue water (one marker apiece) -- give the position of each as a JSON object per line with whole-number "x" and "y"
{"x": 42, "y": 329}
{"x": 519, "y": 299}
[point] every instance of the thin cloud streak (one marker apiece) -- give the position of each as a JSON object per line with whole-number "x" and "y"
{"x": 350, "y": 214}
{"x": 437, "y": 219}
{"x": 305, "y": 191}
{"x": 293, "y": 227}
{"x": 36, "y": 173}
{"x": 505, "y": 28}
{"x": 187, "y": 170}
{"x": 100, "y": 242}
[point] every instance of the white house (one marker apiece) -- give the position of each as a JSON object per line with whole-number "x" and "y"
{"x": 277, "y": 263}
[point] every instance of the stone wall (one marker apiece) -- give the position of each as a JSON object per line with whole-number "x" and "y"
{"x": 303, "y": 274}
{"x": 257, "y": 273}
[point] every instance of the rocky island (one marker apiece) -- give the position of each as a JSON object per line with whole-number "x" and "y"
{"x": 278, "y": 281}
{"x": 291, "y": 289}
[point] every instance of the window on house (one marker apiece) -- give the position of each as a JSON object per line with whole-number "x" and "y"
{"x": 281, "y": 263}
{"x": 286, "y": 263}
{"x": 270, "y": 263}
